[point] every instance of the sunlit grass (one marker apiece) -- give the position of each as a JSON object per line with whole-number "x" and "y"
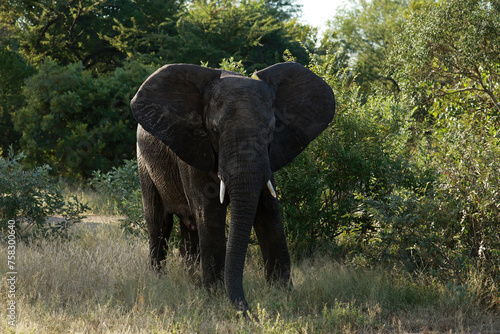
{"x": 99, "y": 281}
{"x": 99, "y": 204}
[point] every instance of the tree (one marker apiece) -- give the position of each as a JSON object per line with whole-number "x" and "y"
{"x": 283, "y": 10}
{"x": 245, "y": 30}
{"x": 450, "y": 51}
{"x": 85, "y": 31}
{"x": 364, "y": 32}
{"x": 13, "y": 71}
{"x": 447, "y": 62}
{"x": 102, "y": 34}
{"x": 77, "y": 123}
{"x": 149, "y": 33}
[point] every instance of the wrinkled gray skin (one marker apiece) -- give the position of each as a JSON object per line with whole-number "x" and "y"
{"x": 200, "y": 126}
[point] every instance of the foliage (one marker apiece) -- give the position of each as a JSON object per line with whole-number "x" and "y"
{"x": 121, "y": 185}
{"x": 148, "y": 32}
{"x": 85, "y": 31}
{"x": 454, "y": 225}
{"x": 378, "y": 187}
{"x": 233, "y": 66}
{"x": 77, "y": 122}
{"x": 360, "y": 155}
{"x": 363, "y": 33}
{"x": 102, "y": 34}
{"x": 446, "y": 62}
{"x": 29, "y": 197}
{"x": 283, "y": 10}
{"x": 450, "y": 50}
{"x": 13, "y": 71}
{"x": 468, "y": 156}
{"x": 247, "y": 31}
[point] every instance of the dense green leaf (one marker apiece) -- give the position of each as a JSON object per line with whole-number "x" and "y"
{"x": 77, "y": 122}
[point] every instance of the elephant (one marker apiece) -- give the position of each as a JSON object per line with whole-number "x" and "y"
{"x": 208, "y": 138}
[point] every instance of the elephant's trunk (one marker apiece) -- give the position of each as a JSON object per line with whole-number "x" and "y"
{"x": 245, "y": 175}
{"x": 243, "y": 209}
{"x": 244, "y": 202}
{"x": 244, "y": 170}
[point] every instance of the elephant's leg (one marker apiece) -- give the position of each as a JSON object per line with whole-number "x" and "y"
{"x": 209, "y": 219}
{"x": 189, "y": 246}
{"x": 271, "y": 235}
{"x": 159, "y": 222}
{"x": 212, "y": 251}
{"x": 159, "y": 229}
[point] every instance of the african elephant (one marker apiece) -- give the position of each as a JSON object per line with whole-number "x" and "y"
{"x": 209, "y": 137}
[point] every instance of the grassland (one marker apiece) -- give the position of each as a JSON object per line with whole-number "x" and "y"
{"x": 98, "y": 281}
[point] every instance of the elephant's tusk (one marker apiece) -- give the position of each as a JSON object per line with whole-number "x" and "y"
{"x": 222, "y": 191}
{"x": 271, "y": 189}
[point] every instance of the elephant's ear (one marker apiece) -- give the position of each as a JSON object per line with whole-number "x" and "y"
{"x": 169, "y": 105}
{"x": 304, "y": 107}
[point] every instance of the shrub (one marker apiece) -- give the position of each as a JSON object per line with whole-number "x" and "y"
{"x": 360, "y": 156}
{"x": 452, "y": 229}
{"x": 29, "y": 197}
{"x": 468, "y": 154}
{"x": 13, "y": 71}
{"x": 76, "y": 121}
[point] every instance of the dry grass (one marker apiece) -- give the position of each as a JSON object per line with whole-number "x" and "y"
{"x": 99, "y": 282}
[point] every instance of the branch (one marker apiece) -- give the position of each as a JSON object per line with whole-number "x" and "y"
{"x": 398, "y": 90}
{"x": 448, "y": 92}
{"x": 52, "y": 22}
{"x": 487, "y": 91}
{"x": 70, "y": 33}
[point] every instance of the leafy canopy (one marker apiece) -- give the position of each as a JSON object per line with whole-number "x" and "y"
{"x": 450, "y": 51}
{"x": 363, "y": 32}
{"x": 246, "y": 30}
{"x": 86, "y": 31}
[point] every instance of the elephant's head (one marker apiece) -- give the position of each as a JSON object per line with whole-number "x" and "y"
{"x": 243, "y": 129}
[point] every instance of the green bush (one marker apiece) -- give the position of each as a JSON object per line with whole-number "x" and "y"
{"x": 29, "y": 197}
{"x": 78, "y": 122}
{"x": 13, "y": 71}
{"x": 362, "y": 155}
{"x": 468, "y": 154}
{"x": 410, "y": 229}
{"x": 451, "y": 229}
{"x": 380, "y": 188}
{"x": 121, "y": 185}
